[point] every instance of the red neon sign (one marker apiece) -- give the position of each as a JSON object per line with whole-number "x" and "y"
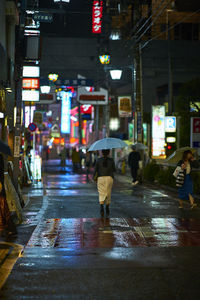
{"x": 97, "y": 13}
{"x": 30, "y": 83}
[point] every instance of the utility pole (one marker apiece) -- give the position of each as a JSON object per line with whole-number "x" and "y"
{"x": 18, "y": 92}
{"x": 138, "y": 79}
{"x": 79, "y": 123}
{"x": 170, "y": 83}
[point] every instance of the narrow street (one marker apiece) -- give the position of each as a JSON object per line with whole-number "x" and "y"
{"x": 147, "y": 248}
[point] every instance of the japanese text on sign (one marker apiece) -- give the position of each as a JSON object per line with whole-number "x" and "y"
{"x": 97, "y": 13}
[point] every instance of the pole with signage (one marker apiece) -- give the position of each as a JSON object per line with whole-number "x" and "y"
{"x": 195, "y": 134}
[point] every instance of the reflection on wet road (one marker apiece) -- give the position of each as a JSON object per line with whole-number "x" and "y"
{"x": 89, "y": 233}
{"x": 148, "y": 247}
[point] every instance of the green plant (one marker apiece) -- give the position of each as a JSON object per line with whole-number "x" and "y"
{"x": 150, "y": 171}
{"x": 165, "y": 176}
{"x": 196, "y": 180}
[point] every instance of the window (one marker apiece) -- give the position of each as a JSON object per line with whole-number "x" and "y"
{"x": 186, "y": 31}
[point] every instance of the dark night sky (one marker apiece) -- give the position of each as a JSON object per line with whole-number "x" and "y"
{"x": 76, "y": 22}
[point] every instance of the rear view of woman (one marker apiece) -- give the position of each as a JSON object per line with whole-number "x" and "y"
{"x": 104, "y": 172}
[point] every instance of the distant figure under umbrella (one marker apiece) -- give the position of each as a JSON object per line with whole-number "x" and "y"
{"x": 75, "y": 159}
{"x": 104, "y": 172}
{"x": 133, "y": 162}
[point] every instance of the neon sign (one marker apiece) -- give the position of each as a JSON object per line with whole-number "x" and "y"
{"x": 158, "y": 131}
{"x": 30, "y": 83}
{"x": 65, "y": 111}
{"x": 97, "y": 13}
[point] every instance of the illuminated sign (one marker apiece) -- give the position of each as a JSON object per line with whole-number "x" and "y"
{"x": 158, "y": 131}
{"x": 171, "y": 139}
{"x": 65, "y": 111}
{"x": 170, "y": 124}
{"x": 104, "y": 59}
{"x": 30, "y": 95}
{"x": 97, "y": 13}
{"x": 194, "y": 106}
{"x": 31, "y": 71}
{"x": 30, "y": 83}
{"x": 125, "y": 106}
{"x": 95, "y": 98}
{"x": 29, "y": 112}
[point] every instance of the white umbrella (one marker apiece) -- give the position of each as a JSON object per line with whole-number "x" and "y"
{"x": 140, "y": 146}
{"x": 107, "y": 143}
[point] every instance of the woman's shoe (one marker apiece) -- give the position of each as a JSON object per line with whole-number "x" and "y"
{"x": 107, "y": 210}
{"x": 102, "y": 210}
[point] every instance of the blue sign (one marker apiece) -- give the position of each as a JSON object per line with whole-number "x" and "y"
{"x": 170, "y": 124}
{"x": 32, "y": 127}
{"x": 65, "y": 111}
{"x": 75, "y": 82}
{"x": 43, "y": 17}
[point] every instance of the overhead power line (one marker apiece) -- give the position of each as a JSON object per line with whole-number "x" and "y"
{"x": 150, "y": 17}
{"x": 152, "y": 23}
{"x": 170, "y": 28}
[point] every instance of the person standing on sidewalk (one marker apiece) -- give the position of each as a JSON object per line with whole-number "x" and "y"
{"x": 104, "y": 172}
{"x": 133, "y": 162}
{"x": 184, "y": 180}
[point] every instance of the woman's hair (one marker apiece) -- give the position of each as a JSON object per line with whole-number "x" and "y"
{"x": 185, "y": 154}
{"x": 105, "y": 153}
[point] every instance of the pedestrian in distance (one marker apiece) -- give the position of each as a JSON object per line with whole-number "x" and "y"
{"x": 88, "y": 163}
{"x": 63, "y": 155}
{"x": 133, "y": 162}
{"x": 75, "y": 159}
{"x": 104, "y": 174}
{"x": 184, "y": 180}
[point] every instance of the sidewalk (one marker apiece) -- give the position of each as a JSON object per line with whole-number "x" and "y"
{"x": 126, "y": 178}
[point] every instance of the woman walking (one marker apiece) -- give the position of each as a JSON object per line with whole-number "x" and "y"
{"x": 104, "y": 172}
{"x": 184, "y": 180}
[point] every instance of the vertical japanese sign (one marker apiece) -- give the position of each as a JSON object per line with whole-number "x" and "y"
{"x": 97, "y": 13}
{"x": 65, "y": 112}
{"x": 158, "y": 131}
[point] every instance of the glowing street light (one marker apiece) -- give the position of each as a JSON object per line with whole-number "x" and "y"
{"x": 45, "y": 89}
{"x": 104, "y": 59}
{"x": 60, "y": 1}
{"x": 53, "y": 77}
{"x": 116, "y": 74}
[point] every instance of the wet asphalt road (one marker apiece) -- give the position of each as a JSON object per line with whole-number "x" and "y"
{"x": 146, "y": 249}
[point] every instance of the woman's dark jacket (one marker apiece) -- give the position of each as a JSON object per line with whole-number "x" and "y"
{"x": 102, "y": 170}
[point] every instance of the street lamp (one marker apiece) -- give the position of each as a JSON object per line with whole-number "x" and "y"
{"x": 60, "y": 1}
{"x": 104, "y": 59}
{"x": 53, "y": 77}
{"x": 45, "y": 89}
{"x": 116, "y": 74}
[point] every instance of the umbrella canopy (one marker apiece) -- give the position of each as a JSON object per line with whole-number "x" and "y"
{"x": 178, "y": 154}
{"x": 107, "y": 143}
{"x": 4, "y": 148}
